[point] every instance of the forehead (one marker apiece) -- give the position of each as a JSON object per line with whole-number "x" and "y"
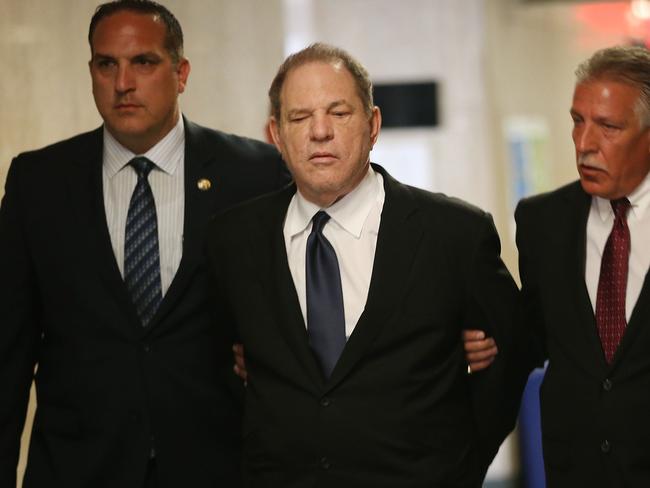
{"x": 319, "y": 82}
{"x": 605, "y": 95}
{"x": 128, "y": 30}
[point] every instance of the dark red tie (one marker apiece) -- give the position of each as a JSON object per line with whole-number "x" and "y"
{"x": 612, "y": 284}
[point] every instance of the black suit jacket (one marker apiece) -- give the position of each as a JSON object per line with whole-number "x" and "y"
{"x": 399, "y": 408}
{"x": 107, "y": 389}
{"x": 595, "y": 423}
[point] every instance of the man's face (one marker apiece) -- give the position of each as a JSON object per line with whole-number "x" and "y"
{"x": 135, "y": 83}
{"x": 612, "y": 146}
{"x": 324, "y": 134}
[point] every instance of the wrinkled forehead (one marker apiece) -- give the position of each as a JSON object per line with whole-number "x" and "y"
{"x": 319, "y": 82}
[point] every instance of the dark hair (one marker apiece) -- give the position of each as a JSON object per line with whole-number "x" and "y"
{"x": 628, "y": 64}
{"x": 173, "y": 37}
{"x": 327, "y": 54}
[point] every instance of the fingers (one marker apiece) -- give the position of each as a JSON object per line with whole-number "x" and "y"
{"x": 240, "y": 365}
{"x": 479, "y": 350}
{"x": 473, "y": 335}
{"x": 479, "y": 365}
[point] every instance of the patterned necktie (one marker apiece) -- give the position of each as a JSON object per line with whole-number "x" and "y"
{"x": 612, "y": 283}
{"x": 325, "y": 315}
{"x": 141, "y": 253}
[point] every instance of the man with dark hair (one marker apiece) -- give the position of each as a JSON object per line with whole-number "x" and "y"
{"x": 584, "y": 254}
{"x": 103, "y": 286}
{"x": 348, "y": 291}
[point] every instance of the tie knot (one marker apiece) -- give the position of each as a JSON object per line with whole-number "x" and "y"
{"x": 620, "y": 207}
{"x": 142, "y": 166}
{"x": 319, "y": 220}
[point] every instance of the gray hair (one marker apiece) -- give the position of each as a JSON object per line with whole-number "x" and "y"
{"x": 627, "y": 64}
{"x": 327, "y": 54}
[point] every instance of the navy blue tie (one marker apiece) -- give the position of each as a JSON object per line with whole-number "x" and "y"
{"x": 325, "y": 315}
{"x": 141, "y": 252}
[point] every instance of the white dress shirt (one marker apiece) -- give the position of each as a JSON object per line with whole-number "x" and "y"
{"x": 167, "y": 181}
{"x": 352, "y": 230}
{"x": 599, "y": 226}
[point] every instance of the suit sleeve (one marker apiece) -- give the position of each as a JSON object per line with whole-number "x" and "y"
{"x": 19, "y": 324}
{"x": 222, "y": 315}
{"x": 493, "y": 302}
{"x": 532, "y": 314}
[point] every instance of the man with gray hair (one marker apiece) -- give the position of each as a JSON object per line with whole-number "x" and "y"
{"x": 584, "y": 251}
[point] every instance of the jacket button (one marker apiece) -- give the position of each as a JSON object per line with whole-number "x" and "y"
{"x": 605, "y": 446}
{"x": 324, "y": 463}
{"x": 325, "y": 402}
{"x": 607, "y": 385}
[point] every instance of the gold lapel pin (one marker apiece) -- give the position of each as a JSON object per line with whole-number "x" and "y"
{"x": 204, "y": 184}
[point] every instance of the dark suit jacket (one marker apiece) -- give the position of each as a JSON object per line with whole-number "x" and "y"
{"x": 105, "y": 386}
{"x": 595, "y": 423}
{"x": 399, "y": 409}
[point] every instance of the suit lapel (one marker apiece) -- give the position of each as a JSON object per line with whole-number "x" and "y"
{"x": 199, "y": 158}
{"x": 577, "y": 207}
{"x": 400, "y": 232}
{"x": 87, "y": 198}
{"x": 637, "y": 324}
{"x": 275, "y": 276}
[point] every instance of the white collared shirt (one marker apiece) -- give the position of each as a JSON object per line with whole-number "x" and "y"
{"x": 599, "y": 226}
{"x": 167, "y": 180}
{"x": 352, "y": 230}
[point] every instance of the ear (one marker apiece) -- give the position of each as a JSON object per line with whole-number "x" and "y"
{"x": 274, "y": 132}
{"x": 183, "y": 72}
{"x": 375, "y": 125}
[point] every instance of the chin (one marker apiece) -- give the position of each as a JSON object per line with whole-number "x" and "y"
{"x": 597, "y": 190}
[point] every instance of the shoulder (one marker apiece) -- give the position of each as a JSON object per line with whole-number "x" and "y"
{"x": 550, "y": 202}
{"x": 73, "y": 145}
{"x": 440, "y": 209}
{"x": 230, "y": 144}
{"x": 269, "y": 206}
{"x": 266, "y": 212}
{"x": 46, "y": 162}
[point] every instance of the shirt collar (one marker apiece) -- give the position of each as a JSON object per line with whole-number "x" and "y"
{"x": 166, "y": 154}
{"x": 350, "y": 212}
{"x": 639, "y": 201}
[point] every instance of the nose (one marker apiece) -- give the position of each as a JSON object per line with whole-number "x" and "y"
{"x": 321, "y": 127}
{"x": 124, "y": 79}
{"x": 584, "y": 138}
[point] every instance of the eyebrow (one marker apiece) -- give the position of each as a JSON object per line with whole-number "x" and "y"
{"x": 145, "y": 54}
{"x": 337, "y": 103}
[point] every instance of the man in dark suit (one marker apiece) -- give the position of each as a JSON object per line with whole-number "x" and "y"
{"x": 352, "y": 325}
{"x": 584, "y": 252}
{"x": 131, "y": 381}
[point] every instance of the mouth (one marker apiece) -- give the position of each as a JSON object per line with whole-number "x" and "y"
{"x": 126, "y": 106}
{"x": 322, "y": 157}
{"x": 590, "y": 163}
{"x": 591, "y": 173}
